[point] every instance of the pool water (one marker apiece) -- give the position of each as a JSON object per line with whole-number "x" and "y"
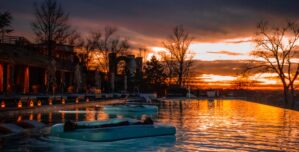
{"x": 219, "y": 125}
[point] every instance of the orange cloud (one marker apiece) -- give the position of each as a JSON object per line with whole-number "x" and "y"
{"x": 225, "y": 53}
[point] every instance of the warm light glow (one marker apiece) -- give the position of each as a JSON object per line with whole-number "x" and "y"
{"x": 20, "y": 104}
{"x": 39, "y": 117}
{"x": 158, "y": 49}
{"x": 239, "y": 48}
{"x": 87, "y": 99}
{"x": 96, "y": 59}
{"x": 39, "y": 103}
{"x": 50, "y": 117}
{"x": 19, "y": 118}
{"x": 31, "y": 103}
{"x": 266, "y": 78}
{"x": 50, "y": 101}
{"x": 264, "y": 81}
{"x": 26, "y": 80}
{"x": 155, "y": 52}
{"x": 31, "y": 116}
{"x": 102, "y": 116}
{"x": 62, "y": 116}
{"x": 1, "y": 78}
{"x": 77, "y": 100}
{"x": 3, "y": 104}
{"x": 62, "y": 101}
{"x": 216, "y": 78}
{"x": 90, "y": 114}
{"x": 230, "y": 49}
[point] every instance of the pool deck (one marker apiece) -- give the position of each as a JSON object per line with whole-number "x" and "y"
{"x": 50, "y": 108}
{"x": 295, "y": 108}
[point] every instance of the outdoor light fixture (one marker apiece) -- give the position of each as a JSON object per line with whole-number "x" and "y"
{"x": 20, "y": 104}
{"x": 50, "y": 101}
{"x": 31, "y": 116}
{"x": 77, "y": 100}
{"x": 62, "y": 101}
{"x": 31, "y": 103}
{"x": 39, "y": 103}
{"x": 3, "y": 104}
{"x": 19, "y": 118}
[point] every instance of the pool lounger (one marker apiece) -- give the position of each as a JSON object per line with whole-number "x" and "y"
{"x": 132, "y": 108}
{"x": 112, "y": 133}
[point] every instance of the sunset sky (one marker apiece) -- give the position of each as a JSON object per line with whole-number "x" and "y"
{"x": 222, "y": 29}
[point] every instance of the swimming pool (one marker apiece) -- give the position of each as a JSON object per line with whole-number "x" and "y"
{"x": 219, "y": 125}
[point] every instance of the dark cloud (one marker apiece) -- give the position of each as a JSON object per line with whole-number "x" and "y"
{"x": 152, "y": 20}
{"x": 225, "y": 53}
{"x": 220, "y": 67}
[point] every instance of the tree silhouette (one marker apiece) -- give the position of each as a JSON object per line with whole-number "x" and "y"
{"x": 276, "y": 47}
{"x": 51, "y": 24}
{"x": 154, "y": 72}
{"x": 103, "y": 43}
{"x": 177, "y": 46}
{"x": 242, "y": 82}
{"x": 5, "y": 21}
{"x": 169, "y": 66}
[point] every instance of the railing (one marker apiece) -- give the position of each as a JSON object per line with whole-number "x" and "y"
{"x": 14, "y": 40}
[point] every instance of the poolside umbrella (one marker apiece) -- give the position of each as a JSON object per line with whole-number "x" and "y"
{"x": 77, "y": 77}
{"x": 97, "y": 79}
{"x": 51, "y": 69}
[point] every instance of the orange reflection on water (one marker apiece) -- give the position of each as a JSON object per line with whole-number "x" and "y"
{"x": 50, "y": 119}
{"x": 62, "y": 116}
{"x": 102, "y": 116}
{"x": 232, "y": 123}
{"x": 77, "y": 114}
{"x": 90, "y": 114}
{"x": 19, "y": 118}
{"x": 39, "y": 117}
{"x": 31, "y": 116}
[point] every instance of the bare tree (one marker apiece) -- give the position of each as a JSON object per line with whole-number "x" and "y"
{"x": 51, "y": 24}
{"x": 178, "y": 47}
{"x": 276, "y": 48}
{"x": 169, "y": 66}
{"x": 5, "y": 21}
{"x": 103, "y": 43}
{"x": 242, "y": 81}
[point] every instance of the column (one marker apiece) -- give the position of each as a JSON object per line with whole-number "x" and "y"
{"x": 112, "y": 79}
{"x": 125, "y": 83}
{"x": 26, "y": 80}
{"x": 1, "y": 78}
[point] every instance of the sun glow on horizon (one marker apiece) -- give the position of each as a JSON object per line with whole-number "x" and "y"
{"x": 226, "y": 50}
{"x": 216, "y": 78}
{"x": 230, "y": 49}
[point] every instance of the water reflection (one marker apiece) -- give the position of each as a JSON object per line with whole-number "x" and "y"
{"x": 202, "y": 125}
{"x": 231, "y": 125}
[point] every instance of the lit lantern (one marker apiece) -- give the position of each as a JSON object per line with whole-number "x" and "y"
{"x": 62, "y": 101}
{"x": 50, "y": 101}
{"x": 50, "y": 117}
{"x": 19, "y": 118}
{"x": 39, "y": 103}
{"x": 31, "y": 103}
{"x": 39, "y": 117}
{"x": 31, "y": 116}
{"x": 87, "y": 99}
{"x": 3, "y": 104}
{"x": 77, "y": 100}
{"x": 20, "y": 104}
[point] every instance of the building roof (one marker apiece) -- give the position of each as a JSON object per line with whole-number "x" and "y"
{"x": 27, "y": 56}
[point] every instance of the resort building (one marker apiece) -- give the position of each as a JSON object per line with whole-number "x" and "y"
{"x": 25, "y": 68}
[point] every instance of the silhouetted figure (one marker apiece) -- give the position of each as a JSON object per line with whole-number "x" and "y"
{"x": 69, "y": 125}
{"x": 147, "y": 121}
